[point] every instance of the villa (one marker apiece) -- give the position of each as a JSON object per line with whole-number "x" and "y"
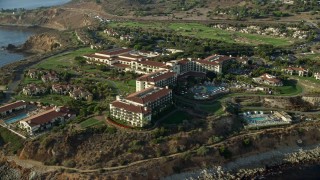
{"x": 137, "y": 108}
{"x": 7, "y": 109}
{"x": 268, "y": 80}
{"x": 294, "y": 70}
{"x": 62, "y": 89}
{"x": 46, "y": 119}
{"x": 80, "y": 93}
{"x": 159, "y": 79}
{"x": 33, "y": 90}
{"x": 50, "y": 77}
{"x": 33, "y": 73}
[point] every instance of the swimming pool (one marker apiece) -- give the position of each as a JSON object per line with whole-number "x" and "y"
{"x": 258, "y": 118}
{"x": 16, "y": 118}
{"x": 210, "y": 89}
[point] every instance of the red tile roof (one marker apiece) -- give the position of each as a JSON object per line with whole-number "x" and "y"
{"x": 214, "y": 63}
{"x": 128, "y": 55}
{"x": 130, "y": 107}
{"x": 116, "y": 51}
{"x": 118, "y": 65}
{"x": 148, "y": 95}
{"x": 153, "y": 63}
{"x": 183, "y": 61}
{"x": 156, "y": 76}
{"x": 268, "y": 77}
{"x": 11, "y": 106}
{"x": 96, "y": 56}
{"x": 46, "y": 116}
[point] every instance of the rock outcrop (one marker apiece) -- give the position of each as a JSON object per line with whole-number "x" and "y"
{"x": 41, "y": 43}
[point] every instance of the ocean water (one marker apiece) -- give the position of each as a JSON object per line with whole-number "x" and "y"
{"x": 15, "y": 36}
{"x": 302, "y": 172}
{"x": 30, "y": 4}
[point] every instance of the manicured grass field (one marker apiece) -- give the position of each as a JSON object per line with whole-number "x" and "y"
{"x": 177, "y": 118}
{"x": 206, "y": 32}
{"x": 290, "y": 88}
{"x": 64, "y": 60}
{"x": 91, "y": 122}
{"x": 214, "y": 108}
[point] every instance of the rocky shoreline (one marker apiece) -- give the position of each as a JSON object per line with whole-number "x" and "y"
{"x": 282, "y": 160}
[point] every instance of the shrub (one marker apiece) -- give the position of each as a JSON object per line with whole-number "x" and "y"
{"x": 111, "y": 130}
{"x": 51, "y": 162}
{"x": 225, "y": 152}
{"x": 202, "y": 151}
{"x": 69, "y": 163}
{"x": 247, "y": 142}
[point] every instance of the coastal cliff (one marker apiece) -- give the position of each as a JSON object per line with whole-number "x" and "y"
{"x": 41, "y": 43}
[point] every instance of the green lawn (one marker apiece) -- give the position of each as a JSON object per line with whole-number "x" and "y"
{"x": 177, "y": 118}
{"x": 310, "y": 79}
{"x": 65, "y": 60}
{"x": 203, "y": 31}
{"x": 290, "y": 88}
{"x": 28, "y": 80}
{"x": 214, "y": 108}
{"x": 91, "y": 122}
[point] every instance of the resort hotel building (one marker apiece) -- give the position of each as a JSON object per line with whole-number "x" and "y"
{"x": 141, "y": 62}
{"x": 153, "y": 94}
{"x": 158, "y": 78}
{"x": 137, "y": 108}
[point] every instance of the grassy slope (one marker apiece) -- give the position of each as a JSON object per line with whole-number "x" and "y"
{"x": 91, "y": 122}
{"x": 203, "y": 31}
{"x": 13, "y": 141}
{"x": 177, "y": 118}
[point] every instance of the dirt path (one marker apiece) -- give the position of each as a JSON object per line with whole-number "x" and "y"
{"x": 39, "y": 166}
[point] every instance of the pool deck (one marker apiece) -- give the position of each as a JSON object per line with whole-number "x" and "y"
{"x": 268, "y": 120}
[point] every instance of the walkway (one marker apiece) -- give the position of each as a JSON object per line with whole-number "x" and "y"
{"x": 28, "y": 163}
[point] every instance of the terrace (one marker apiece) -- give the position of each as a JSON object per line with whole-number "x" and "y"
{"x": 207, "y": 90}
{"x": 259, "y": 119}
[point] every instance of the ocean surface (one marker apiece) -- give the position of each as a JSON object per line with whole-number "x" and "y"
{"x": 30, "y": 4}
{"x": 15, "y": 36}
{"x": 303, "y": 172}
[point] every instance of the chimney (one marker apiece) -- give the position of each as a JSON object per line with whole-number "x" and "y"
{"x": 230, "y": 56}
{"x": 145, "y": 108}
{"x": 167, "y": 87}
{"x": 118, "y": 98}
